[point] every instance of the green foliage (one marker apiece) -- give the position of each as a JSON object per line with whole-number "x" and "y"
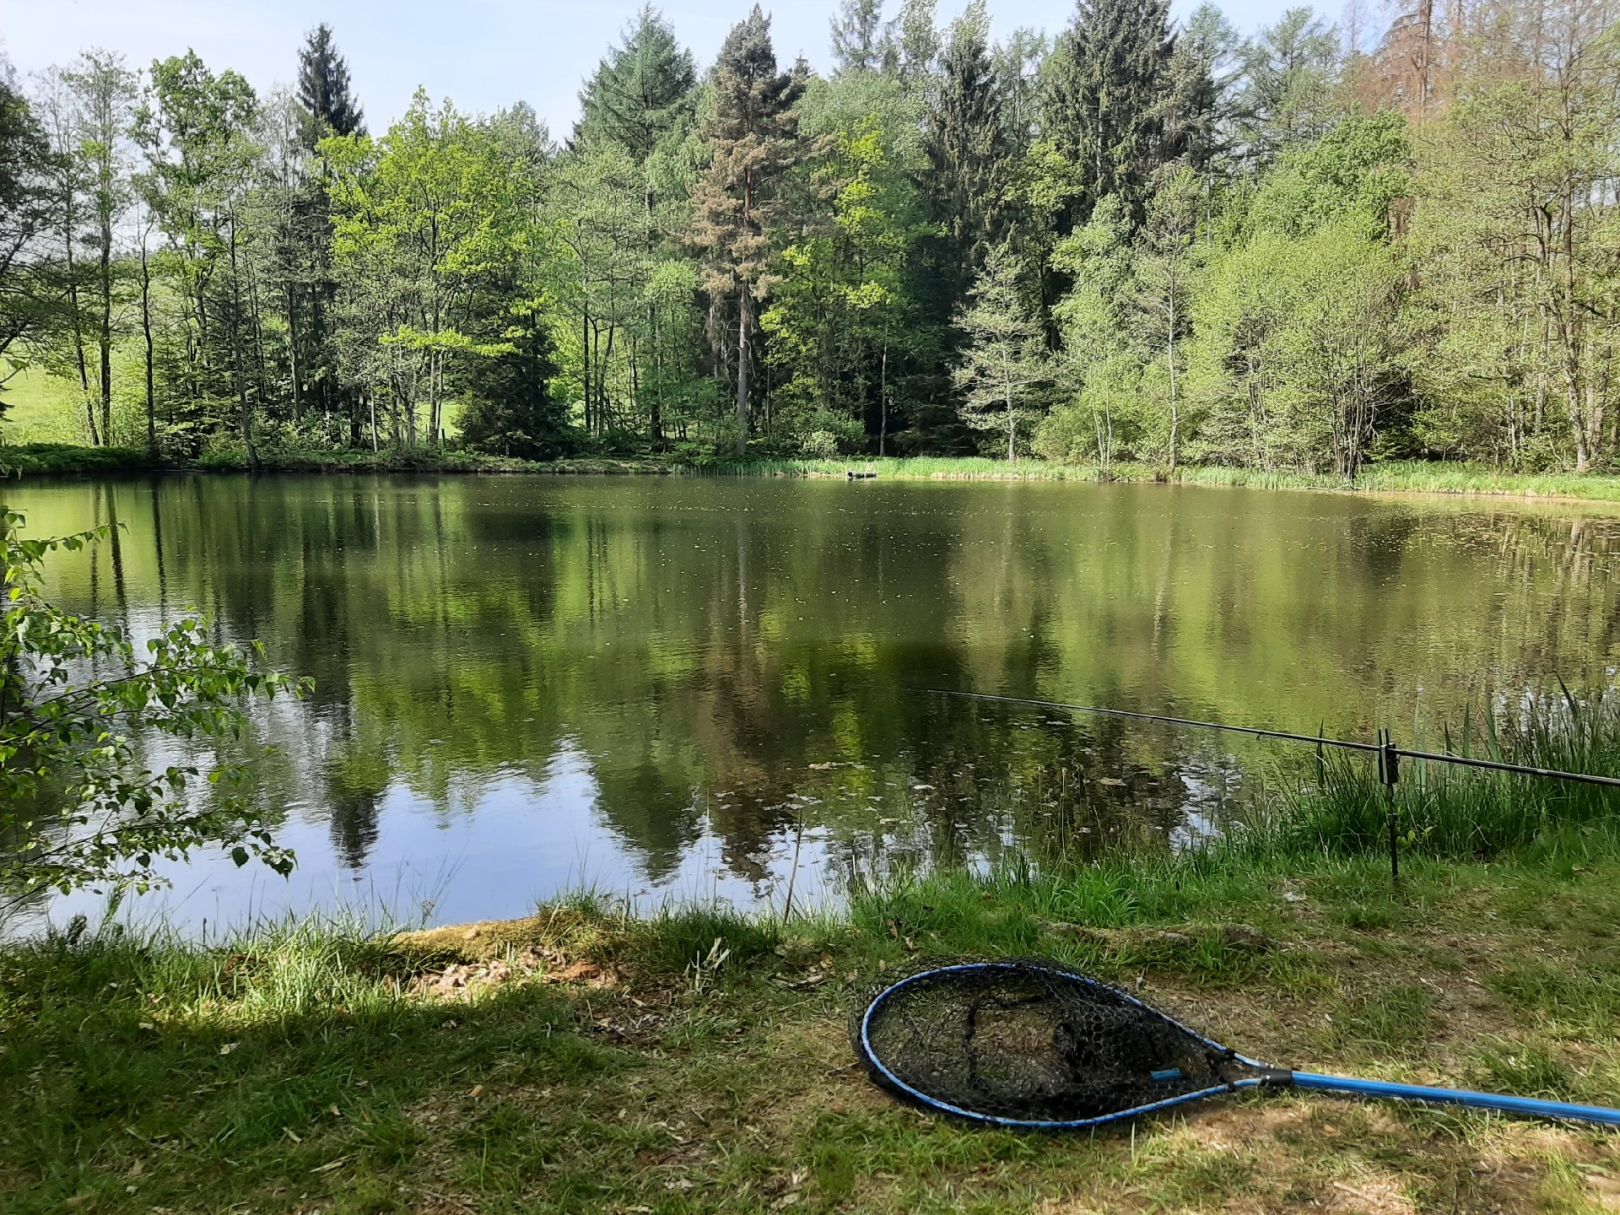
{"x": 1297, "y": 347}
{"x": 839, "y": 323}
{"x": 642, "y": 91}
{"x": 77, "y": 702}
{"x": 1288, "y": 95}
{"x": 1126, "y": 324}
{"x": 1004, "y": 362}
{"x": 1102, "y": 110}
{"x": 327, "y": 103}
{"x": 1449, "y": 811}
{"x": 741, "y": 198}
{"x": 1361, "y": 169}
{"x": 29, "y": 301}
{"x": 969, "y": 150}
{"x": 764, "y": 255}
{"x": 25, "y": 458}
{"x": 512, "y": 411}
{"x": 427, "y": 223}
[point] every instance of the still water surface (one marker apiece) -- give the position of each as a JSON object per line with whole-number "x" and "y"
{"x": 675, "y": 686}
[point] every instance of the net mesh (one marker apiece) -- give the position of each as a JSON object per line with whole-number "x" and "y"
{"x": 1032, "y": 1043}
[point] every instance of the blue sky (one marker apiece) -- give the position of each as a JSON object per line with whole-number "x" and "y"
{"x": 483, "y": 53}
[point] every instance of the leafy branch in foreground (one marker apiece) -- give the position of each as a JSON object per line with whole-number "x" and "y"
{"x": 78, "y": 804}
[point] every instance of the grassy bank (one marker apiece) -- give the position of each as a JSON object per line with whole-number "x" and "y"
{"x": 324, "y": 460}
{"x": 579, "y": 1061}
{"x": 68, "y": 459}
{"x": 61, "y": 459}
{"x": 585, "y": 1060}
{"x": 1398, "y": 477}
{"x": 1403, "y": 476}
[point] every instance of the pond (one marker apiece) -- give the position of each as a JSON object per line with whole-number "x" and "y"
{"x": 717, "y": 687}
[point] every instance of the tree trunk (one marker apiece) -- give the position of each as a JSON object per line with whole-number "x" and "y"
{"x": 883, "y": 400}
{"x": 146, "y": 333}
{"x": 295, "y": 368}
{"x": 104, "y": 328}
{"x": 655, "y": 402}
{"x": 745, "y": 317}
{"x": 1175, "y": 414}
{"x": 258, "y": 331}
{"x": 655, "y": 411}
{"x": 585, "y": 362}
{"x": 236, "y": 356}
{"x": 68, "y": 213}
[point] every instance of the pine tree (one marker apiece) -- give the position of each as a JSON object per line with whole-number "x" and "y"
{"x": 327, "y": 108}
{"x": 1018, "y": 61}
{"x": 641, "y": 99}
{"x": 754, "y": 131}
{"x": 511, "y": 410}
{"x": 859, "y": 41}
{"x": 1104, "y": 109}
{"x": 1291, "y": 70}
{"x": 642, "y": 89}
{"x": 966, "y": 141}
{"x": 1004, "y": 361}
{"x": 913, "y": 41}
{"x": 323, "y": 89}
{"x": 1198, "y": 109}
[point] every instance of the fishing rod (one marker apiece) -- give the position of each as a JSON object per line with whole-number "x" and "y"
{"x": 1158, "y": 717}
{"x": 1389, "y": 755}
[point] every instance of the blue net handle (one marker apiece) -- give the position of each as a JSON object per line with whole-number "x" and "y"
{"x": 1529, "y": 1106}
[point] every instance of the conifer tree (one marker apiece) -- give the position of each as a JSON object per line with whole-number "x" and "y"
{"x": 754, "y": 131}
{"x": 1104, "y": 110}
{"x": 1018, "y": 60}
{"x": 1199, "y": 114}
{"x": 327, "y": 108}
{"x": 641, "y": 90}
{"x": 323, "y": 89}
{"x": 967, "y": 147}
{"x": 1004, "y": 361}
{"x": 642, "y": 98}
{"x": 1290, "y": 72}
{"x": 859, "y": 41}
{"x": 913, "y": 41}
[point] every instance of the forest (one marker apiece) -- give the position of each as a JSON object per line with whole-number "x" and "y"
{"x": 1131, "y": 239}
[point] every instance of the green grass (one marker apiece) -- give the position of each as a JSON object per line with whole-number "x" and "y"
{"x": 279, "y": 457}
{"x": 695, "y": 1060}
{"x": 1406, "y": 476}
{"x": 41, "y": 408}
{"x": 1394, "y": 477}
{"x": 43, "y": 459}
{"x": 1452, "y": 811}
{"x": 587, "y": 1060}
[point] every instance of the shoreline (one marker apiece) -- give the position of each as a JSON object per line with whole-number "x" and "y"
{"x": 698, "y": 1061}
{"x": 1395, "y": 479}
{"x": 696, "y": 1058}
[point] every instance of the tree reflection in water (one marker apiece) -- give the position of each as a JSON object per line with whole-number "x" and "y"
{"x": 653, "y": 681}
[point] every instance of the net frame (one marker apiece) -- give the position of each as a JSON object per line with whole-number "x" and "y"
{"x": 1247, "y": 1073}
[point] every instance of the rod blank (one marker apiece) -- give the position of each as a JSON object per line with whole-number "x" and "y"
{"x": 1585, "y": 778}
